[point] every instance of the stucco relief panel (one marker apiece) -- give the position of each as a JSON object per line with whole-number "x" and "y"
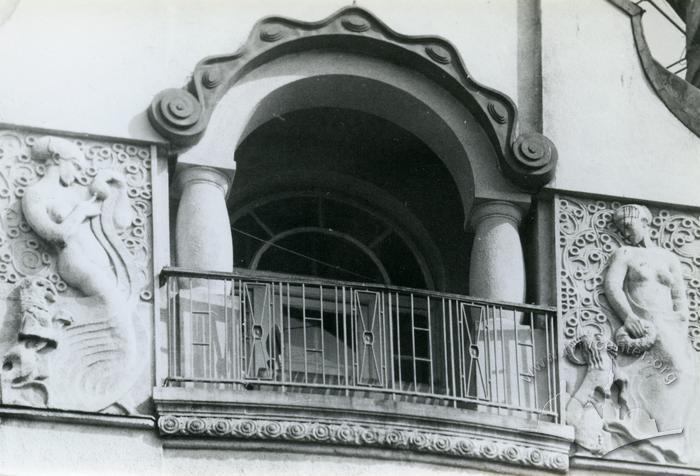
{"x": 629, "y": 289}
{"x": 75, "y": 272}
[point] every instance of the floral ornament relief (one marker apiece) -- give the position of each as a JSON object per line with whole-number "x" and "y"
{"x": 627, "y": 364}
{"x": 75, "y": 255}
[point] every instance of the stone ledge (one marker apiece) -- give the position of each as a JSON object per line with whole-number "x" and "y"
{"x": 627, "y": 467}
{"x": 367, "y": 454}
{"x": 361, "y": 423}
{"x": 61, "y": 416}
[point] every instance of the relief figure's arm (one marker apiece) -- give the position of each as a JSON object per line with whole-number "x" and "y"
{"x": 615, "y": 292}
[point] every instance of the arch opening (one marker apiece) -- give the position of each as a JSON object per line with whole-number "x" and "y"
{"x": 352, "y": 82}
{"x": 322, "y": 175}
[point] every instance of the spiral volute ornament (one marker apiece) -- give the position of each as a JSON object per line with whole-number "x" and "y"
{"x": 196, "y": 426}
{"x": 169, "y": 425}
{"x": 534, "y": 158}
{"x": 355, "y": 23}
{"x": 174, "y": 113}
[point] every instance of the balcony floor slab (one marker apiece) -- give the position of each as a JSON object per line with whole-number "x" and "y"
{"x": 273, "y": 417}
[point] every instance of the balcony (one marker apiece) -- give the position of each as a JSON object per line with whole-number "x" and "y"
{"x": 260, "y": 357}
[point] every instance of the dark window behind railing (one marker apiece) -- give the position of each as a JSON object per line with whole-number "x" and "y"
{"x": 246, "y": 331}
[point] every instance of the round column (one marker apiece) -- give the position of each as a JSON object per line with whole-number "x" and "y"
{"x": 202, "y": 229}
{"x": 497, "y": 267}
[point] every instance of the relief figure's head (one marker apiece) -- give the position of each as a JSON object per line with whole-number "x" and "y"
{"x": 633, "y": 222}
{"x": 60, "y": 153}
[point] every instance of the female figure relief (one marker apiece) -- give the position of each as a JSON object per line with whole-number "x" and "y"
{"x": 72, "y": 217}
{"x": 94, "y": 359}
{"x": 645, "y": 287}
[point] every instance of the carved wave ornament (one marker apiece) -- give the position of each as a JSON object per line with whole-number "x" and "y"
{"x": 182, "y": 115}
{"x": 630, "y": 297}
{"x": 363, "y": 435}
{"x": 74, "y": 255}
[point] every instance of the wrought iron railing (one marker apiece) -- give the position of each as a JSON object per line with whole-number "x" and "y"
{"x": 247, "y": 331}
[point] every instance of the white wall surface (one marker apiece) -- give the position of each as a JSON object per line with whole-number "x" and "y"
{"x": 93, "y": 66}
{"x": 42, "y": 448}
{"x": 613, "y": 133}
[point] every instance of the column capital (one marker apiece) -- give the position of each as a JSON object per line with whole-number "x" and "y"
{"x": 190, "y": 174}
{"x": 496, "y": 209}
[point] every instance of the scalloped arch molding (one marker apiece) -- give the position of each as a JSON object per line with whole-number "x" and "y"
{"x": 182, "y": 115}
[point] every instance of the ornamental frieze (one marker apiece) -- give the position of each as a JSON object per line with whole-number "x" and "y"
{"x": 75, "y": 271}
{"x": 362, "y": 435}
{"x": 629, "y": 293}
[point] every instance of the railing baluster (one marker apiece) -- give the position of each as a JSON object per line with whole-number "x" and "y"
{"x": 282, "y": 349}
{"x": 172, "y": 346}
{"x": 345, "y": 342}
{"x": 533, "y": 353}
{"x": 337, "y": 334}
{"x": 460, "y": 348}
{"x": 548, "y": 356}
{"x": 518, "y": 375}
{"x": 554, "y": 365}
{"x": 413, "y": 345}
{"x": 228, "y": 329}
{"x": 270, "y": 309}
{"x": 209, "y": 370}
{"x": 487, "y": 347}
{"x": 236, "y": 348}
{"x": 243, "y": 291}
{"x": 382, "y": 344}
{"x": 430, "y": 348}
{"x": 354, "y": 303}
{"x": 289, "y": 333}
{"x": 391, "y": 346}
{"x": 444, "y": 348}
{"x": 463, "y": 312}
{"x": 398, "y": 339}
{"x": 495, "y": 352}
{"x": 303, "y": 328}
{"x": 507, "y": 386}
{"x": 452, "y": 352}
{"x": 323, "y": 341}
{"x": 189, "y": 363}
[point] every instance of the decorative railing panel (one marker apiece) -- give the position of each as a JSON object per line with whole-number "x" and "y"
{"x": 250, "y": 332}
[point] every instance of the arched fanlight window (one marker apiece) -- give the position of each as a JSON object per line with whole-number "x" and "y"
{"x": 317, "y": 233}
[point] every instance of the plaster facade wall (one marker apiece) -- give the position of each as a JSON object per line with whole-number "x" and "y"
{"x": 72, "y": 449}
{"x": 95, "y": 66}
{"x": 613, "y": 133}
